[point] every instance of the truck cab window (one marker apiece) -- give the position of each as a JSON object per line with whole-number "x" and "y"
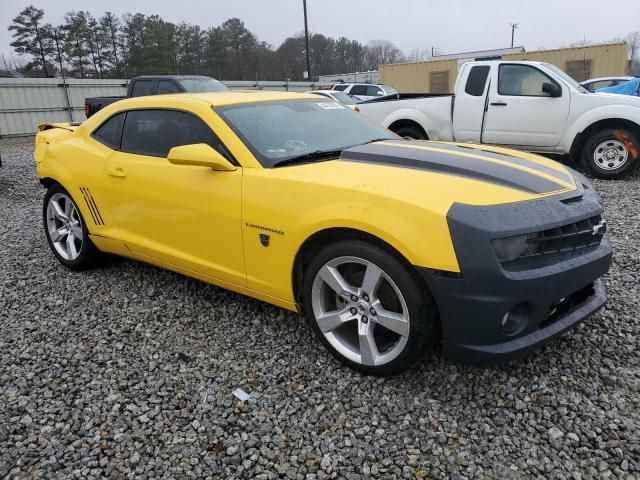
{"x": 477, "y": 80}
{"x": 521, "y": 80}
{"x": 165, "y": 86}
{"x": 142, "y": 87}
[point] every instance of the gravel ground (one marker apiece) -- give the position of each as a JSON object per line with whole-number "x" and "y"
{"x": 128, "y": 370}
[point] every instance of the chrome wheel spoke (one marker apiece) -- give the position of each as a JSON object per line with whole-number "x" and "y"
{"x": 71, "y": 246}
{"x": 332, "y": 320}
{"x": 58, "y": 212}
{"x": 368, "y": 347}
{"x": 76, "y": 230}
{"x": 57, "y": 234}
{"x": 334, "y": 279}
{"x": 372, "y": 278}
{"x": 396, "y": 322}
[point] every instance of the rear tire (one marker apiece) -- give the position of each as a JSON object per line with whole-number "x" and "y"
{"x": 611, "y": 153}
{"x": 66, "y": 230}
{"x": 367, "y": 307}
{"x": 412, "y": 132}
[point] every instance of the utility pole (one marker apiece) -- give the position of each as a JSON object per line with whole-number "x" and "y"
{"x": 514, "y": 26}
{"x": 306, "y": 39}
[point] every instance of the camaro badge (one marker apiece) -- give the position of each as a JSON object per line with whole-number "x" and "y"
{"x": 264, "y": 239}
{"x": 600, "y": 228}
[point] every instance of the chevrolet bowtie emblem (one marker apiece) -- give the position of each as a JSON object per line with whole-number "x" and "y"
{"x": 600, "y": 228}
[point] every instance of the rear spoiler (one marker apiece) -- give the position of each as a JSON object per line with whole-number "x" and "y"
{"x": 70, "y": 126}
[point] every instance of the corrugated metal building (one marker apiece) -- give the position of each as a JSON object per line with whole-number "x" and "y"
{"x": 438, "y": 75}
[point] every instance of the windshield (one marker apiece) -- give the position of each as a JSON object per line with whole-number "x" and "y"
{"x": 282, "y": 130}
{"x": 196, "y": 85}
{"x": 568, "y": 79}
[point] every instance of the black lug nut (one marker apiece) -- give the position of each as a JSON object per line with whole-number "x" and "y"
{"x": 365, "y": 319}
{"x": 365, "y": 298}
{"x": 353, "y": 311}
{"x": 372, "y": 311}
{"x": 354, "y": 298}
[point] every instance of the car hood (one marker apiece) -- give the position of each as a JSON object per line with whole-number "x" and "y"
{"x": 431, "y": 175}
{"x": 497, "y": 166}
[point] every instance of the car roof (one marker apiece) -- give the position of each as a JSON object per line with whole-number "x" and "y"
{"x": 230, "y": 97}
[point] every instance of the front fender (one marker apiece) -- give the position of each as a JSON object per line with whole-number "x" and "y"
{"x": 605, "y": 112}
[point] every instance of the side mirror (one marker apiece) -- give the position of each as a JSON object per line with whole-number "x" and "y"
{"x": 201, "y": 155}
{"x": 552, "y": 89}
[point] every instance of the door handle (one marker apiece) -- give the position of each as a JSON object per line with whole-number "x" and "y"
{"x": 117, "y": 172}
{"x": 498, "y": 104}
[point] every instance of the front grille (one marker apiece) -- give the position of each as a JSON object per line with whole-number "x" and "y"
{"x": 568, "y": 304}
{"x": 567, "y": 238}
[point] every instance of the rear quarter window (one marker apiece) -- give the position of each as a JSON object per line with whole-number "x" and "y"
{"x": 110, "y": 132}
{"x": 477, "y": 80}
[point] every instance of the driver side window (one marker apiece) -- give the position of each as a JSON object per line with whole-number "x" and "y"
{"x": 521, "y": 81}
{"x": 155, "y": 132}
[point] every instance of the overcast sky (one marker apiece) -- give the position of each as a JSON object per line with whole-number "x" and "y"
{"x": 451, "y": 26}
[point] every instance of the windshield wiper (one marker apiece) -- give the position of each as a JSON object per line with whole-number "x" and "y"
{"x": 309, "y": 157}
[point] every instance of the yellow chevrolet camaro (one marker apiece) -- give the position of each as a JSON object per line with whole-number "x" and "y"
{"x": 388, "y": 245}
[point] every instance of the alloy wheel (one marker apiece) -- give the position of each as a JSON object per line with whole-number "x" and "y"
{"x": 360, "y": 311}
{"x": 64, "y": 226}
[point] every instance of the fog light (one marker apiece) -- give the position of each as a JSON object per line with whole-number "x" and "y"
{"x": 516, "y": 319}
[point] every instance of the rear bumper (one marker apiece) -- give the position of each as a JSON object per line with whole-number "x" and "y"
{"x": 549, "y": 294}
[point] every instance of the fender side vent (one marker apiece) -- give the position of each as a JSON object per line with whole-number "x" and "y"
{"x": 93, "y": 207}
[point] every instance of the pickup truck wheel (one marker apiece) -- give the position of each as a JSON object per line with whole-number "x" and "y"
{"x": 411, "y": 132}
{"x": 66, "y": 230}
{"x": 611, "y": 153}
{"x": 367, "y": 308}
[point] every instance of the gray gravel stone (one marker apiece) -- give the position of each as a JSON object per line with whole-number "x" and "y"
{"x": 127, "y": 370}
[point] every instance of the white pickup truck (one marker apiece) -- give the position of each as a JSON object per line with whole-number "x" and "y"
{"x": 527, "y": 105}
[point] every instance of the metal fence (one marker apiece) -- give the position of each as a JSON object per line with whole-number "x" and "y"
{"x": 26, "y": 102}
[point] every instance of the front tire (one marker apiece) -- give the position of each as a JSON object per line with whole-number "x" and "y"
{"x": 611, "y": 154}
{"x": 66, "y": 230}
{"x": 367, "y": 308}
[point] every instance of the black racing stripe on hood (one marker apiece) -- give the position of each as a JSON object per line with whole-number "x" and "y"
{"x": 503, "y": 157}
{"x": 452, "y": 165}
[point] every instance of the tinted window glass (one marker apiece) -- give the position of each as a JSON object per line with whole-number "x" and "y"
{"x": 521, "y": 80}
{"x": 202, "y": 85}
{"x": 477, "y": 80}
{"x": 142, "y": 87}
{"x": 358, "y": 90}
{"x": 340, "y": 88}
{"x": 155, "y": 132}
{"x": 110, "y": 132}
{"x": 164, "y": 86}
{"x": 373, "y": 91}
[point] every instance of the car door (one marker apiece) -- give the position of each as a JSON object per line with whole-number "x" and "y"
{"x": 520, "y": 113}
{"x": 188, "y": 216}
{"x": 469, "y": 107}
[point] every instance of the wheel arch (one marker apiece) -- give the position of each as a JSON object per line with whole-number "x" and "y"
{"x": 405, "y": 122}
{"x": 608, "y": 123}
{"x": 315, "y": 242}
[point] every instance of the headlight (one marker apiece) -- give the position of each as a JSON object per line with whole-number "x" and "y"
{"x": 511, "y": 248}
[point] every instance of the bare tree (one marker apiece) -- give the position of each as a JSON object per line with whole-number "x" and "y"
{"x": 380, "y": 52}
{"x": 633, "y": 39}
{"x": 418, "y": 54}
